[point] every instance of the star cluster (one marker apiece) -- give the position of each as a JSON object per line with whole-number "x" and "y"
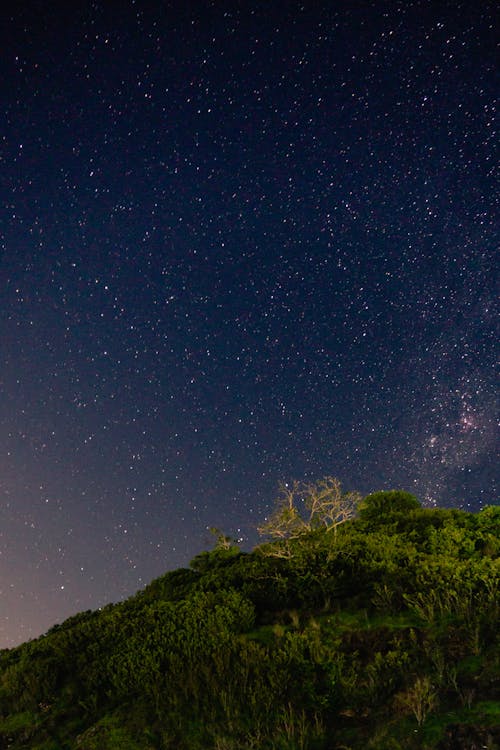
{"x": 240, "y": 244}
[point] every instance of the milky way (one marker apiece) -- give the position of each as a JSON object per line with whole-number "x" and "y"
{"x": 239, "y": 245}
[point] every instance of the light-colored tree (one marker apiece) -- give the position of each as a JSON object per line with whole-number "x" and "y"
{"x": 327, "y": 505}
{"x": 302, "y": 507}
{"x": 285, "y": 522}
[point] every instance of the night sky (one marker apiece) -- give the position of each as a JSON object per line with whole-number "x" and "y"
{"x": 241, "y": 243}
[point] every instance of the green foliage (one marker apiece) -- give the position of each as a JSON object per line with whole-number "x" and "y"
{"x": 225, "y": 549}
{"x": 16, "y": 722}
{"x": 380, "y": 634}
{"x": 379, "y": 507}
{"x": 109, "y": 734}
{"x": 173, "y": 586}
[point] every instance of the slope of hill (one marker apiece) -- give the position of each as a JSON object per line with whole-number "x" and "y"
{"x": 382, "y": 634}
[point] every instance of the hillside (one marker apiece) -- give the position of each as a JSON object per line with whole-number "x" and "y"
{"x": 379, "y": 633}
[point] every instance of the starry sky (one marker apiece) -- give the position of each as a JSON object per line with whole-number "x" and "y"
{"x": 241, "y": 243}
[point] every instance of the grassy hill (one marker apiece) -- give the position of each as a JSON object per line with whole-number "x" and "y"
{"x": 379, "y": 633}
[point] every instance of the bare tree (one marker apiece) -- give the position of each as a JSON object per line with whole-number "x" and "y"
{"x": 285, "y": 523}
{"x": 302, "y": 507}
{"x": 327, "y": 505}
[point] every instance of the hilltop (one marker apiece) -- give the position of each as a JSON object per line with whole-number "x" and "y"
{"x": 377, "y": 629}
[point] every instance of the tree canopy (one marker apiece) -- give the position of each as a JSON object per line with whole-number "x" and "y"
{"x": 379, "y": 505}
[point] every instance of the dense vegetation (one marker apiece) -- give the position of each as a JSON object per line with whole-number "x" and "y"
{"x": 376, "y": 631}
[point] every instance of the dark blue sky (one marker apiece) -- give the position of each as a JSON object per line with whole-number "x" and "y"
{"x": 239, "y": 245}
